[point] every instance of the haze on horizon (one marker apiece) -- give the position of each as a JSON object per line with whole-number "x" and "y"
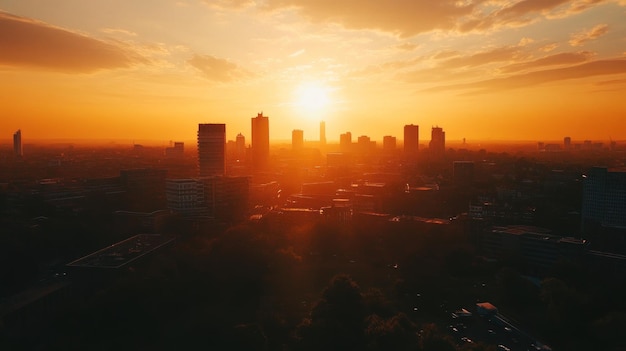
{"x": 153, "y": 70}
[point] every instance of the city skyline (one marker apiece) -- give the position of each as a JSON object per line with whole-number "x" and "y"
{"x": 484, "y": 70}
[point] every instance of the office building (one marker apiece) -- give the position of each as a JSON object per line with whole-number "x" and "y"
{"x": 345, "y": 142}
{"x": 411, "y": 139}
{"x": 211, "y": 149}
{"x": 145, "y": 189}
{"x": 260, "y": 142}
{"x": 240, "y": 147}
{"x": 17, "y": 144}
{"x": 604, "y": 198}
{"x": 223, "y": 198}
{"x": 437, "y": 141}
{"x": 567, "y": 143}
{"x": 177, "y": 151}
{"x": 323, "y": 133}
{"x": 389, "y": 143}
{"x": 297, "y": 139}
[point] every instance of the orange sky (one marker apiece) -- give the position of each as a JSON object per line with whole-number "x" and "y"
{"x": 152, "y": 70}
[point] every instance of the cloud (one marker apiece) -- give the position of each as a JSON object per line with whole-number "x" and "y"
{"x": 589, "y": 69}
{"x": 407, "y": 18}
{"x": 25, "y": 42}
{"x": 499, "y": 54}
{"x": 565, "y": 58}
{"x": 404, "y": 17}
{"x": 407, "y": 46}
{"x": 580, "y": 38}
{"x": 549, "y": 47}
{"x": 218, "y": 69}
{"x": 118, "y": 31}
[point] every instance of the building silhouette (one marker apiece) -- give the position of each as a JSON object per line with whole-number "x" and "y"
{"x": 260, "y": 142}
{"x": 567, "y": 143}
{"x": 604, "y": 198}
{"x": 240, "y": 147}
{"x": 345, "y": 142}
{"x": 411, "y": 139}
{"x": 17, "y": 143}
{"x": 389, "y": 143}
{"x": 437, "y": 140}
{"x": 176, "y": 151}
{"x": 323, "y": 133}
{"x": 211, "y": 149}
{"x": 297, "y": 139}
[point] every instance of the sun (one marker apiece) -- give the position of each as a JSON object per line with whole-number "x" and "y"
{"x": 312, "y": 96}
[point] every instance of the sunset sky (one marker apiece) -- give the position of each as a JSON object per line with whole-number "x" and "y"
{"x": 154, "y": 69}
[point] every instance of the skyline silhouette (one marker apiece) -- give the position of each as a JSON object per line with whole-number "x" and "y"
{"x": 527, "y": 70}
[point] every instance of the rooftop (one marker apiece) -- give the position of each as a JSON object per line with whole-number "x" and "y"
{"x": 123, "y": 252}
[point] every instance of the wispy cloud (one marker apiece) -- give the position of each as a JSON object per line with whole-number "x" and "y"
{"x": 565, "y": 58}
{"x": 25, "y": 42}
{"x": 589, "y": 69}
{"x": 584, "y": 36}
{"x": 218, "y": 69}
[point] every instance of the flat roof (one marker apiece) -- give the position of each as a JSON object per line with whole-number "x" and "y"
{"x": 123, "y": 252}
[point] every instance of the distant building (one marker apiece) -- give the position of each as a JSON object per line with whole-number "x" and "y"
{"x": 437, "y": 140}
{"x": 240, "y": 147}
{"x": 537, "y": 247}
{"x": 411, "y": 139}
{"x": 260, "y": 142}
{"x": 365, "y": 145}
{"x": 223, "y": 198}
{"x": 345, "y": 142}
{"x": 17, "y": 144}
{"x": 176, "y": 151}
{"x": 297, "y": 139}
{"x": 389, "y": 143}
{"x": 567, "y": 143}
{"x": 323, "y": 133}
{"x": 211, "y": 149}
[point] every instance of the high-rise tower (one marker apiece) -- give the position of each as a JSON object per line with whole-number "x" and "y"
{"x": 211, "y": 149}
{"x": 411, "y": 139}
{"x": 437, "y": 140}
{"x": 17, "y": 143}
{"x": 297, "y": 139}
{"x": 260, "y": 141}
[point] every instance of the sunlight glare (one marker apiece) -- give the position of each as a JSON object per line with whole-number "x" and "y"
{"x": 312, "y": 96}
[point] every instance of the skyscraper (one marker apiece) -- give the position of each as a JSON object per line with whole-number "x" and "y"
{"x": 323, "y": 133}
{"x": 437, "y": 140}
{"x": 389, "y": 143}
{"x": 345, "y": 142}
{"x": 211, "y": 149}
{"x": 297, "y": 139}
{"x": 260, "y": 141}
{"x": 411, "y": 139}
{"x": 17, "y": 143}
{"x": 240, "y": 147}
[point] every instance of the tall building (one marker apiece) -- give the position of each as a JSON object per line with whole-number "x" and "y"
{"x": 389, "y": 143}
{"x": 17, "y": 143}
{"x": 411, "y": 139}
{"x": 437, "y": 140}
{"x": 323, "y": 133}
{"x": 567, "y": 143}
{"x": 604, "y": 198}
{"x": 211, "y": 149}
{"x": 345, "y": 142}
{"x": 240, "y": 147}
{"x": 260, "y": 141}
{"x": 297, "y": 139}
